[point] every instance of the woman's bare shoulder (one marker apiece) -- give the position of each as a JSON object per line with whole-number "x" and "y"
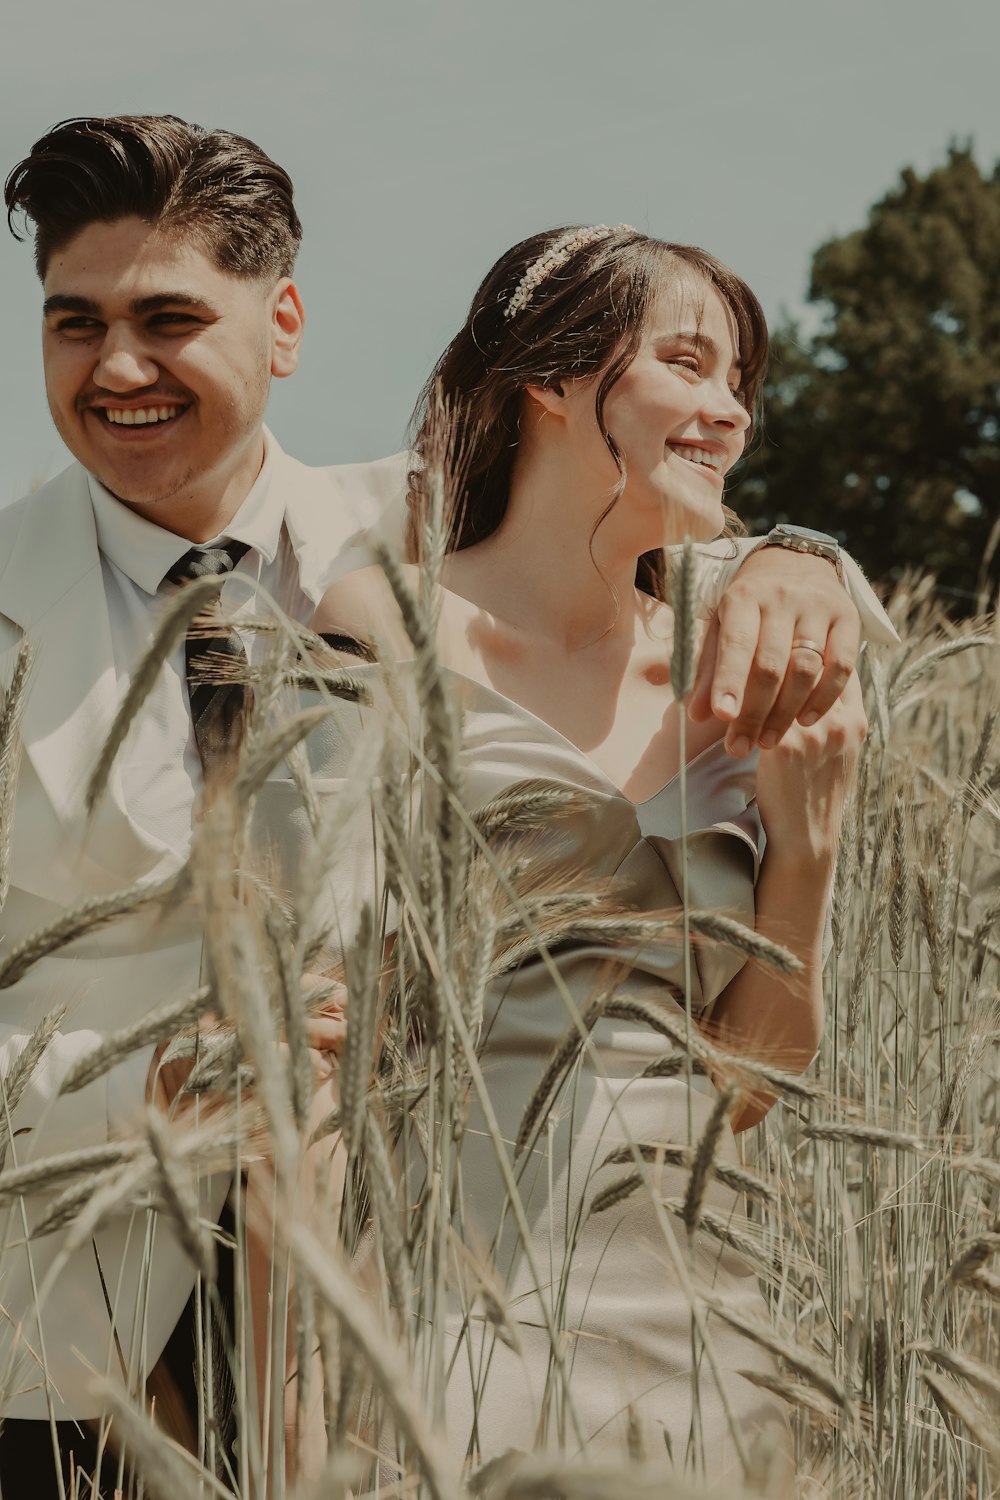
{"x": 362, "y": 605}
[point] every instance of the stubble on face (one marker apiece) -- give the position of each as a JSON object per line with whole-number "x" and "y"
{"x": 158, "y": 323}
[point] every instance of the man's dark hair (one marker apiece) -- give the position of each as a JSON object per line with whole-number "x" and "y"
{"x": 213, "y": 187}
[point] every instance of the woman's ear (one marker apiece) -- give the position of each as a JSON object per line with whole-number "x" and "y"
{"x": 549, "y": 395}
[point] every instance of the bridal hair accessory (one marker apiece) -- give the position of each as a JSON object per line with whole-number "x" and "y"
{"x": 557, "y": 255}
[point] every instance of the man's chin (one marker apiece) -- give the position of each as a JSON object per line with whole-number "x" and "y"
{"x": 139, "y": 491}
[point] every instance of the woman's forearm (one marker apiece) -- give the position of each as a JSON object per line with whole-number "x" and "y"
{"x": 767, "y": 1015}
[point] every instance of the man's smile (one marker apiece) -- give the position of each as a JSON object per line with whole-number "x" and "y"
{"x": 140, "y": 416}
{"x": 131, "y": 423}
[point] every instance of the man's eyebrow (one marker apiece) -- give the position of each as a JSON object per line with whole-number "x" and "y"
{"x": 188, "y": 300}
{"x": 699, "y": 341}
{"x": 60, "y": 302}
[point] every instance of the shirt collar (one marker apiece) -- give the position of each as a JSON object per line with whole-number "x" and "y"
{"x": 145, "y": 552}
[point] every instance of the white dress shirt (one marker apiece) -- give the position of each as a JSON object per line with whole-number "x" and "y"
{"x": 161, "y": 768}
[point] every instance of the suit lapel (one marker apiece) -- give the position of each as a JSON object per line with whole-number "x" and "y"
{"x": 52, "y": 588}
{"x": 55, "y": 594}
{"x": 331, "y": 514}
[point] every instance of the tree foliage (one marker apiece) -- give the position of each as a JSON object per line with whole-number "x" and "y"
{"x": 883, "y": 425}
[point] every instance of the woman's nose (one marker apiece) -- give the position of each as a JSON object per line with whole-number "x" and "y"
{"x": 727, "y": 410}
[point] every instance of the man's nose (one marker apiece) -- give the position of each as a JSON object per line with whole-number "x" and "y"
{"x": 124, "y": 364}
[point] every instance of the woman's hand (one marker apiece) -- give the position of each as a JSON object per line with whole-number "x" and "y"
{"x": 803, "y": 782}
{"x": 801, "y": 788}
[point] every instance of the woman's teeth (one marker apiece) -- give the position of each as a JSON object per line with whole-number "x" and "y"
{"x": 140, "y": 416}
{"x": 697, "y": 455}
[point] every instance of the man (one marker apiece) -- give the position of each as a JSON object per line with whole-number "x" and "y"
{"x": 166, "y": 256}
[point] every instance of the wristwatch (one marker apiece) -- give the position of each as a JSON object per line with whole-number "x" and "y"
{"x": 804, "y": 539}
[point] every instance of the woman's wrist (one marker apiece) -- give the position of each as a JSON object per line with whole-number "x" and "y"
{"x": 807, "y": 856}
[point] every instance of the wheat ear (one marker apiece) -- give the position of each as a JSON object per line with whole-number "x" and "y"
{"x": 11, "y": 708}
{"x": 173, "y": 626}
{"x": 84, "y": 918}
{"x": 157, "y": 1026}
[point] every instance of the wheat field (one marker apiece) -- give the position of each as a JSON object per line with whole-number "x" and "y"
{"x": 871, "y": 1190}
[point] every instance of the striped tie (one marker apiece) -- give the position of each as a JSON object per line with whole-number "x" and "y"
{"x": 219, "y": 709}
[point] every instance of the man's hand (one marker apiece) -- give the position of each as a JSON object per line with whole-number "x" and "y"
{"x": 751, "y": 673}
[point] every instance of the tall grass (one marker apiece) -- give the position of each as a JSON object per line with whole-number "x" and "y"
{"x": 871, "y": 1190}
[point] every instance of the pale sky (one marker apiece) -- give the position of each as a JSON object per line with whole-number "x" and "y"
{"x": 426, "y": 136}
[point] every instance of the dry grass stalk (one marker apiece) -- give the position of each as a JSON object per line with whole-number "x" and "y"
{"x": 703, "y": 1158}
{"x": 386, "y": 1361}
{"x": 738, "y": 1178}
{"x": 878, "y": 1136}
{"x": 963, "y": 1367}
{"x": 18, "y": 1075}
{"x": 857, "y": 1228}
{"x": 52, "y": 1172}
{"x": 684, "y": 603}
{"x": 180, "y": 1200}
{"x": 616, "y": 1192}
{"x": 795, "y": 1356}
{"x": 163, "y": 1022}
{"x": 797, "y": 1393}
{"x": 913, "y": 674}
{"x": 169, "y": 1473}
{"x": 85, "y": 918}
{"x": 954, "y": 1402}
{"x": 522, "y": 1476}
{"x": 901, "y": 895}
{"x": 732, "y": 934}
{"x": 12, "y": 701}
{"x": 523, "y": 806}
{"x": 173, "y": 626}
{"x": 974, "y": 1255}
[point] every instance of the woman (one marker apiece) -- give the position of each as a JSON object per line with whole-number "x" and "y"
{"x": 601, "y": 389}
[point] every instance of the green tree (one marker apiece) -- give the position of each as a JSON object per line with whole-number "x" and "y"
{"x": 883, "y": 425}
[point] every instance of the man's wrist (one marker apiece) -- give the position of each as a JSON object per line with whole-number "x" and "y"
{"x": 805, "y": 539}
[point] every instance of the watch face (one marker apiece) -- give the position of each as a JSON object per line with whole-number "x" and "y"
{"x": 807, "y": 534}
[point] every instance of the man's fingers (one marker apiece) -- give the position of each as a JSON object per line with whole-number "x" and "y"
{"x": 764, "y": 682}
{"x": 804, "y": 670}
{"x": 839, "y": 659}
{"x": 700, "y": 703}
{"x": 738, "y": 627}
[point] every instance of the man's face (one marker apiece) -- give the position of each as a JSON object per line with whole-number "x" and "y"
{"x": 157, "y": 368}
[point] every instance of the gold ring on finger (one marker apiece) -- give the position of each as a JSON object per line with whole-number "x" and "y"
{"x": 801, "y": 643}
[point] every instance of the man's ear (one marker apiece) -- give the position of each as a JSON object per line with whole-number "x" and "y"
{"x": 549, "y": 395}
{"x": 288, "y": 322}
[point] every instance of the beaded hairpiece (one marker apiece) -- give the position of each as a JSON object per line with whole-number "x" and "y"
{"x": 557, "y": 255}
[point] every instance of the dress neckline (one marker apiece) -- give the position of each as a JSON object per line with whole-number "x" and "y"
{"x": 564, "y": 740}
{"x": 557, "y": 735}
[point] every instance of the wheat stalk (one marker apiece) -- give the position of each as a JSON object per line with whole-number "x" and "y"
{"x": 12, "y": 701}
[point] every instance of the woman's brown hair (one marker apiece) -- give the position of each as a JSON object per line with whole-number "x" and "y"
{"x": 585, "y": 319}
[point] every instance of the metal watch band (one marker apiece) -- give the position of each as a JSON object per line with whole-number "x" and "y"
{"x": 804, "y": 539}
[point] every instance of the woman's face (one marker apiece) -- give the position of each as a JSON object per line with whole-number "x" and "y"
{"x": 676, "y": 415}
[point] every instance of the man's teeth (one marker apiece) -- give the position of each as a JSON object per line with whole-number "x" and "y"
{"x": 697, "y": 455}
{"x": 140, "y": 416}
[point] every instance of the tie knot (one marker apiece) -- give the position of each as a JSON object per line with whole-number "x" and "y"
{"x": 202, "y": 562}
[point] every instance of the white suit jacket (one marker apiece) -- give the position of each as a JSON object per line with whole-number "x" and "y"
{"x": 52, "y": 593}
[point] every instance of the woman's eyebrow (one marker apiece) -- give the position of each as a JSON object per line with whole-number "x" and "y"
{"x": 699, "y": 341}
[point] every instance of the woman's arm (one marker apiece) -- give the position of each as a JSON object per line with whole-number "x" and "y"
{"x": 801, "y": 788}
